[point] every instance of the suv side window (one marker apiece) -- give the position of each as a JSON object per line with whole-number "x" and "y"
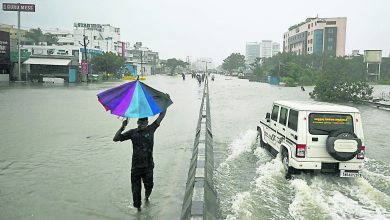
{"x": 274, "y": 114}
{"x": 283, "y": 116}
{"x": 293, "y": 120}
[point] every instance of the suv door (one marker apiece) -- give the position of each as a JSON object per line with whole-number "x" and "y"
{"x": 270, "y": 132}
{"x": 281, "y": 126}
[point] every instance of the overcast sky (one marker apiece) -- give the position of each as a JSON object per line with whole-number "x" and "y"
{"x": 210, "y": 28}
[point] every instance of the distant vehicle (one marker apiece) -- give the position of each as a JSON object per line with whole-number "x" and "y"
{"x": 314, "y": 136}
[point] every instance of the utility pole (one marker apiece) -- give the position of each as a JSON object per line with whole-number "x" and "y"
{"x": 142, "y": 70}
{"x": 85, "y": 44}
{"x": 19, "y": 7}
{"x": 20, "y": 79}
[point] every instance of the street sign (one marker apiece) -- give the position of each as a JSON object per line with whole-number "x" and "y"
{"x": 18, "y": 7}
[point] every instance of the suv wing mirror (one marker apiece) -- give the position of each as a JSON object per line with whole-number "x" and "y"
{"x": 268, "y": 116}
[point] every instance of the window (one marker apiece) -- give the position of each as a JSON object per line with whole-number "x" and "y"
{"x": 330, "y": 47}
{"x": 330, "y": 22}
{"x": 330, "y": 30}
{"x": 323, "y": 124}
{"x": 283, "y": 116}
{"x": 274, "y": 114}
{"x": 330, "y": 39}
{"x": 293, "y": 120}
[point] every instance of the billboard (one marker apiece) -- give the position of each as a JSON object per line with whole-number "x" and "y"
{"x": 373, "y": 56}
{"x": 18, "y": 7}
{"x": 4, "y": 47}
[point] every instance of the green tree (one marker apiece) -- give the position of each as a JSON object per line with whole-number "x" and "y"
{"x": 257, "y": 70}
{"x": 35, "y": 35}
{"x": 233, "y": 62}
{"x": 108, "y": 63}
{"x": 173, "y": 63}
{"x": 334, "y": 86}
{"x": 50, "y": 39}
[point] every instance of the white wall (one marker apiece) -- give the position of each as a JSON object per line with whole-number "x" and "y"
{"x": 4, "y": 77}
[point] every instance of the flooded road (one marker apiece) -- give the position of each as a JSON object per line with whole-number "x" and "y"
{"x": 58, "y": 160}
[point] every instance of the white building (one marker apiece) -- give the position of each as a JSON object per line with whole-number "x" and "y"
{"x": 252, "y": 51}
{"x": 317, "y": 35}
{"x": 65, "y": 37}
{"x": 100, "y": 36}
{"x": 266, "y": 49}
{"x": 275, "y": 48}
{"x": 200, "y": 64}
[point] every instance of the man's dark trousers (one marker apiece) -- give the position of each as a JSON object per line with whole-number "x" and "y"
{"x": 138, "y": 174}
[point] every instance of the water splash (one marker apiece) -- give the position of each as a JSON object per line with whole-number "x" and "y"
{"x": 242, "y": 144}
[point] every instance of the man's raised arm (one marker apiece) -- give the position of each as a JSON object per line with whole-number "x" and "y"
{"x": 161, "y": 117}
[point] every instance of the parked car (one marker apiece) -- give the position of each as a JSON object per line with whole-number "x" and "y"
{"x": 314, "y": 136}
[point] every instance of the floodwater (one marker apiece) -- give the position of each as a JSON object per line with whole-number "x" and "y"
{"x": 58, "y": 160}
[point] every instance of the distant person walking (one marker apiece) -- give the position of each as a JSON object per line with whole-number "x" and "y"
{"x": 302, "y": 88}
{"x": 183, "y": 75}
{"x": 142, "y": 163}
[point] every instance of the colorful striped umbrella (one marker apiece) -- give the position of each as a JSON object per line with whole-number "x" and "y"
{"x": 134, "y": 100}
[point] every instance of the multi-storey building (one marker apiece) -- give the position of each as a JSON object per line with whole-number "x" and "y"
{"x": 266, "y": 48}
{"x": 100, "y": 36}
{"x": 275, "y": 48}
{"x": 252, "y": 51}
{"x": 65, "y": 37}
{"x": 141, "y": 60}
{"x": 317, "y": 35}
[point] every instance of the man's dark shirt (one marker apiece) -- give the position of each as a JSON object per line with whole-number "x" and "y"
{"x": 143, "y": 141}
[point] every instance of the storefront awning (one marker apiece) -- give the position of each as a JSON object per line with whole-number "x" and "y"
{"x": 48, "y": 61}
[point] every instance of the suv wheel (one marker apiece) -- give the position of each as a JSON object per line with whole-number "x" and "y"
{"x": 285, "y": 160}
{"x": 261, "y": 142}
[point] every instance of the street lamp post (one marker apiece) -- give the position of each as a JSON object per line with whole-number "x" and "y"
{"x": 206, "y": 65}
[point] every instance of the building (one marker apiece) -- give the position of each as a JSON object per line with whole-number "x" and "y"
{"x": 201, "y": 63}
{"x": 65, "y": 37}
{"x": 141, "y": 60}
{"x": 99, "y": 36}
{"x": 252, "y": 51}
{"x": 266, "y": 49}
{"x": 317, "y": 35}
{"x": 275, "y": 48}
{"x": 12, "y": 30}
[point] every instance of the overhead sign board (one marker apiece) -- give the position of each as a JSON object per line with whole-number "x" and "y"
{"x": 18, "y": 7}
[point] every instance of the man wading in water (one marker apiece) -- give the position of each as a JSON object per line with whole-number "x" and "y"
{"x": 142, "y": 162}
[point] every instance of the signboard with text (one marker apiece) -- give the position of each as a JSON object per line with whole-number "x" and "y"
{"x": 84, "y": 67}
{"x": 18, "y": 7}
{"x": 4, "y": 48}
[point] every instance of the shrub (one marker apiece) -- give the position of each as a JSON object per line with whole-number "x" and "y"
{"x": 335, "y": 86}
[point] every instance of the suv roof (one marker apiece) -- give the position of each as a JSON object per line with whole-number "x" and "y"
{"x": 317, "y": 106}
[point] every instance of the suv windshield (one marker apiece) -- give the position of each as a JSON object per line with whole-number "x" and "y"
{"x": 323, "y": 124}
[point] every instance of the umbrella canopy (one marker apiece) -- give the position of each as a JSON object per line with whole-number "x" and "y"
{"x": 134, "y": 100}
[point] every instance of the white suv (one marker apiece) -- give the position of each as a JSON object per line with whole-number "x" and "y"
{"x": 314, "y": 136}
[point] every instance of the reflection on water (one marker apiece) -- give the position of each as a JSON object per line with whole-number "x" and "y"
{"x": 58, "y": 161}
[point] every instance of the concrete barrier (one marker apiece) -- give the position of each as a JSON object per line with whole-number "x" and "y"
{"x": 200, "y": 200}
